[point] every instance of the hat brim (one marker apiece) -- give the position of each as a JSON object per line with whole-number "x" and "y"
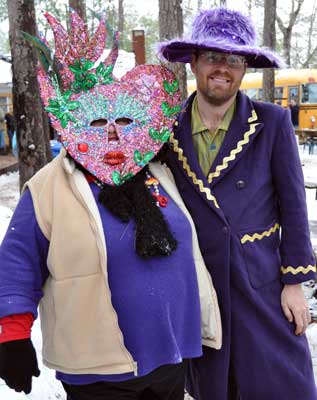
{"x": 182, "y": 51}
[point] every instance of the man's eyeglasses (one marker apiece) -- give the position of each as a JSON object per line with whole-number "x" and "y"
{"x": 213, "y": 57}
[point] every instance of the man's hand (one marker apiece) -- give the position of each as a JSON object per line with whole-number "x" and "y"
{"x": 295, "y": 307}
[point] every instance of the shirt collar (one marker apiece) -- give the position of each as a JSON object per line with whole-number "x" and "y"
{"x": 199, "y": 127}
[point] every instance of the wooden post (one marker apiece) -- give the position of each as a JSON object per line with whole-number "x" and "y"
{"x": 138, "y": 42}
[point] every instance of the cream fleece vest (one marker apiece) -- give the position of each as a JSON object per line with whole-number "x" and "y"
{"x": 79, "y": 324}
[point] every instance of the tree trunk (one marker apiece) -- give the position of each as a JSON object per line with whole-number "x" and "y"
{"x": 79, "y": 6}
{"x": 269, "y": 40}
{"x": 120, "y": 22}
{"x": 287, "y": 46}
{"x": 33, "y": 142}
{"x": 172, "y": 26}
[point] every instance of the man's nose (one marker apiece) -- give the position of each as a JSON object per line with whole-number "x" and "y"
{"x": 112, "y": 132}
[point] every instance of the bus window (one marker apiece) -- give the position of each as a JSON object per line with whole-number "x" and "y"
{"x": 309, "y": 93}
{"x": 293, "y": 93}
{"x": 278, "y": 93}
{"x": 251, "y": 93}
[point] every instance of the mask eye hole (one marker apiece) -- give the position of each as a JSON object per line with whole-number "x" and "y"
{"x": 99, "y": 122}
{"x": 123, "y": 121}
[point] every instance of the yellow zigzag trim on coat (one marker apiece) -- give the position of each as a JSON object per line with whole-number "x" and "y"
{"x": 237, "y": 150}
{"x": 253, "y": 117}
{"x": 298, "y": 270}
{"x": 259, "y": 236}
{"x": 190, "y": 173}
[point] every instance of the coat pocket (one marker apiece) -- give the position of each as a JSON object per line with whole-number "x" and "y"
{"x": 261, "y": 253}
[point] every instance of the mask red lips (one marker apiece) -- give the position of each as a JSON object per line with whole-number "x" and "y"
{"x": 114, "y": 158}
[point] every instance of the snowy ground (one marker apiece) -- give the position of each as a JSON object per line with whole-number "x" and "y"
{"x": 46, "y": 387}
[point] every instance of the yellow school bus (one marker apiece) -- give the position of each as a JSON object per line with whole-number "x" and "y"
{"x": 297, "y": 84}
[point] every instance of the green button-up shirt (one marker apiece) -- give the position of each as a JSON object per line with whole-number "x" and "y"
{"x": 207, "y": 143}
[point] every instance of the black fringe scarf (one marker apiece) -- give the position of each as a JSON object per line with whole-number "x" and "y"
{"x": 134, "y": 200}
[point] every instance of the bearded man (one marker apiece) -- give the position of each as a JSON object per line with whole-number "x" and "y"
{"x": 236, "y": 165}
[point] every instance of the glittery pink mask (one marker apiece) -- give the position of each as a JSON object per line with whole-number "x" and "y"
{"x": 113, "y": 128}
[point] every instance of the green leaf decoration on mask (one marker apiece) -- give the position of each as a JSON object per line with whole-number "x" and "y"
{"x": 105, "y": 73}
{"x": 84, "y": 80}
{"x": 171, "y": 88}
{"x": 127, "y": 176}
{"x": 119, "y": 179}
{"x": 43, "y": 52}
{"x": 160, "y": 136}
{"x": 61, "y": 107}
{"x": 169, "y": 111}
{"x": 142, "y": 160}
{"x": 116, "y": 178}
{"x": 44, "y": 55}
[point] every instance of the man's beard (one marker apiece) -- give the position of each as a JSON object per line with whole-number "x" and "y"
{"x": 215, "y": 100}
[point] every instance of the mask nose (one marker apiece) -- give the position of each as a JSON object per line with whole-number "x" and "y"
{"x": 112, "y": 132}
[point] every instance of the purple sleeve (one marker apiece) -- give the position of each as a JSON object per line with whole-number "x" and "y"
{"x": 298, "y": 262}
{"x": 23, "y": 268}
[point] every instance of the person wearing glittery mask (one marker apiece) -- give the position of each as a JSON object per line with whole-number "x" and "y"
{"x": 235, "y": 162}
{"x": 101, "y": 238}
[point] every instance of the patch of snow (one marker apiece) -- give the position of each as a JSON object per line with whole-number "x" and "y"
{"x": 5, "y": 217}
{"x": 312, "y": 340}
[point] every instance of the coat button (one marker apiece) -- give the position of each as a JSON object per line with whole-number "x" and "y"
{"x": 225, "y": 230}
{"x": 240, "y": 184}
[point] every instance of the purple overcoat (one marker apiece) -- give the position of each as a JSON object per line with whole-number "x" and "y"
{"x": 251, "y": 219}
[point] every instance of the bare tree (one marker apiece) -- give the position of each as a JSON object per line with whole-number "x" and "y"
{"x": 311, "y": 52}
{"x": 249, "y": 5}
{"x": 288, "y": 29}
{"x": 80, "y": 7}
{"x": 269, "y": 40}
{"x": 171, "y": 26}
{"x": 33, "y": 142}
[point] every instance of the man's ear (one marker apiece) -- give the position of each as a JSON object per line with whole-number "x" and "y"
{"x": 244, "y": 70}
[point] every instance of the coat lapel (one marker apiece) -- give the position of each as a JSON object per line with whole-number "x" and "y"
{"x": 182, "y": 145}
{"x": 243, "y": 129}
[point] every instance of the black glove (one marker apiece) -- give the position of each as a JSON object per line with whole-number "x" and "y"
{"x": 18, "y": 364}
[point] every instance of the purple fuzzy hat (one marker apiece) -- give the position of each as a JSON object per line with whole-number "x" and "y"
{"x": 223, "y": 30}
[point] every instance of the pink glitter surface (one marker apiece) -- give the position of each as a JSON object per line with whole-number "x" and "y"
{"x": 143, "y": 86}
